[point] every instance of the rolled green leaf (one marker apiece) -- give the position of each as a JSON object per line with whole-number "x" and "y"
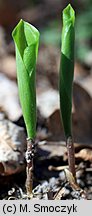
{"x": 26, "y": 38}
{"x": 67, "y": 68}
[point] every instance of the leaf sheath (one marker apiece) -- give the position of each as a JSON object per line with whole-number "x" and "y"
{"x": 67, "y": 68}
{"x": 26, "y": 38}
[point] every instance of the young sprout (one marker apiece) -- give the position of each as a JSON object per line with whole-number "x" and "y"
{"x": 26, "y": 38}
{"x": 66, "y": 80}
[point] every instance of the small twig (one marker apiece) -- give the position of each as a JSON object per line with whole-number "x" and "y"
{"x": 12, "y": 198}
{"x": 71, "y": 156}
{"x": 89, "y": 169}
{"x": 29, "y": 169}
{"x": 59, "y": 194}
{"x": 59, "y": 168}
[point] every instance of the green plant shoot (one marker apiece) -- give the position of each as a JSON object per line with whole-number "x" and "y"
{"x": 26, "y": 38}
{"x": 67, "y": 68}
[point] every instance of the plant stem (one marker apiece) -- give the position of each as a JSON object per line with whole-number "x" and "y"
{"x": 71, "y": 156}
{"x": 29, "y": 168}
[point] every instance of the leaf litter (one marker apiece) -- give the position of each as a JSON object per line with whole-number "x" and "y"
{"x": 51, "y": 151}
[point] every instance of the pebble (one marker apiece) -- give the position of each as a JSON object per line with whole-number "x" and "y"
{"x": 79, "y": 173}
{"x": 75, "y": 194}
{"x": 62, "y": 176}
{"x": 81, "y": 183}
{"x": 53, "y": 183}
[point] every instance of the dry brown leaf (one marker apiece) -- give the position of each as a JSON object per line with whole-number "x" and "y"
{"x": 52, "y": 149}
{"x": 87, "y": 84}
{"x": 85, "y": 154}
{"x": 9, "y": 99}
{"x": 48, "y": 102}
{"x": 81, "y": 115}
{"x": 12, "y": 147}
{"x": 8, "y": 66}
{"x": 80, "y": 71}
{"x": 74, "y": 184}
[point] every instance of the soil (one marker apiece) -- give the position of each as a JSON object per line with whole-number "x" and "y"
{"x": 49, "y": 181}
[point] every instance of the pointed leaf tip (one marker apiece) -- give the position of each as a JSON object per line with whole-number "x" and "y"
{"x": 17, "y": 27}
{"x": 69, "y": 14}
